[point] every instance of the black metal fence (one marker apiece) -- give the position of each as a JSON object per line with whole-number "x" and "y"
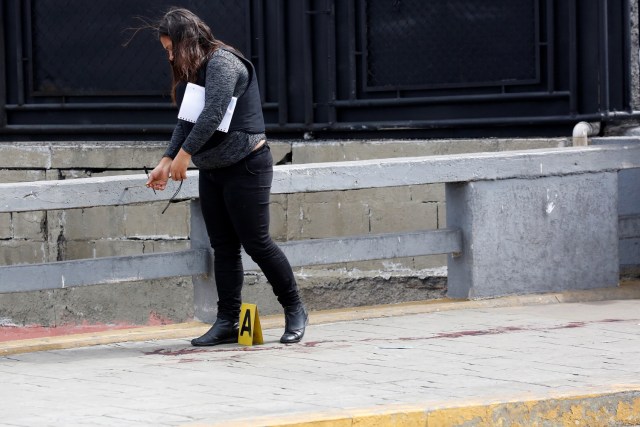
{"x": 427, "y": 66}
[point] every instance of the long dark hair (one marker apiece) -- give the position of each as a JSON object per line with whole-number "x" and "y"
{"x": 193, "y": 44}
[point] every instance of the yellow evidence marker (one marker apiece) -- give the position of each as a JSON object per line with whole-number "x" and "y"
{"x": 250, "y": 331}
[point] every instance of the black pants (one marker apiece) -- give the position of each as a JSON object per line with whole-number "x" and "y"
{"x": 235, "y": 207}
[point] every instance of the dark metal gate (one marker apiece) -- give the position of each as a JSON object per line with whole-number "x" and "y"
{"x": 423, "y": 67}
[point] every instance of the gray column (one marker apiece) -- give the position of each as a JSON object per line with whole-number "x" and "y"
{"x": 524, "y": 236}
{"x": 205, "y": 296}
{"x": 629, "y": 211}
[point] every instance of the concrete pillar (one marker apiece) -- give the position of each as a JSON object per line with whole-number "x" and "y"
{"x": 523, "y": 236}
{"x": 205, "y": 295}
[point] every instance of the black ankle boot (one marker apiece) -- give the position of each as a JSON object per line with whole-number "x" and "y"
{"x": 223, "y": 331}
{"x": 296, "y": 319}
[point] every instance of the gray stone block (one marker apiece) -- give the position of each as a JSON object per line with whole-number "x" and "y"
{"x": 14, "y": 252}
{"x": 29, "y": 225}
{"x": 53, "y": 174}
{"x": 13, "y": 175}
{"x": 406, "y": 216}
{"x": 106, "y": 155}
{"x": 76, "y": 249}
{"x": 27, "y": 155}
{"x": 314, "y": 217}
{"x": 148, "y": 222}
{"x": 278, "y": 214}
{"x": 534, "y": 235}
{"x": 94, "y": 223}
{"x": 427, "y": 193}
{"x": 6, "y": 231}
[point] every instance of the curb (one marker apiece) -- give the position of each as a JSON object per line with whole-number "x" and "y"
{"x": 627, "y": 290}
{"x": 613, "y": 408}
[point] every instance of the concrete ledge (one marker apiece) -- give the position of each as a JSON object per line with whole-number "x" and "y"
{"x": 616, "y": 407}
{"x": 628, "y": 290}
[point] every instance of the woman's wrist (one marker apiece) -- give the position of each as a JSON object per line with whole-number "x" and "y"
{"x": 184, "y": 152}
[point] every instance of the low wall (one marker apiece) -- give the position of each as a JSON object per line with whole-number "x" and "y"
{"x": 96, "y": 232}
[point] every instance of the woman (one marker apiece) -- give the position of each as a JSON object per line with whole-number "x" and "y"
{"x": 236, "y": 170}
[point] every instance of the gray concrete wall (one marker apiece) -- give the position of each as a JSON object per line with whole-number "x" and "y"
{"x": 629, "y": 206}
{"x": 536, "y": 235}
{"x": 108, "y": 231}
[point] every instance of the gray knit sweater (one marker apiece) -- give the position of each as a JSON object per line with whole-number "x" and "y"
{"x": 227, "y": 76}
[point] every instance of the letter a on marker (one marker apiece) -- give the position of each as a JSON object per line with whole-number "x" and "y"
{"x": 250, "y": 330}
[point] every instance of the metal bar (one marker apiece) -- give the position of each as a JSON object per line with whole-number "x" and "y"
{"x": 79, "y": 129}
{"x": 604, "y": 56}
{"x": 283, "y": 104}
{"x": 438, "y": 124}
{"x": 351, "y": 19}
{"x": 626, "y": 34}
{"x": 332, "y": 71}
{"x": 537, "y": 24}
{"x": 249, "y": 26}
{"x": 28, "y": 54}
{"x": 364, "y": 46}
{"x": 91, "y": 106}
{"x": 3, "y": 76}
{"x": 366, "y": 248}
{"x": 19, "y": 54}
{"x": 341, "y": 103}
{"x": 573, "y": 57}
{"x": 307, "y": 64}
{"x": 451, "y": 99}
{"x": 66, "y": 274}
{"x": 331, "y": 176}
{"x": 261, "y": 57}
{"x": 344, "y": 126}
{"x": 550, "y": 25}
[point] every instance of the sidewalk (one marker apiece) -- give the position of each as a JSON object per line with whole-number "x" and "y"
{"x": 495, "y": 362}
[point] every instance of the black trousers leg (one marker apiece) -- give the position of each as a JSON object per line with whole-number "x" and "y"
{"x": 235, "y": 207}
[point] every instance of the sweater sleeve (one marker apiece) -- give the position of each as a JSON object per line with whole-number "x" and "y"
{"x": 177, "y": 139}
{"x": 222, "y": 76}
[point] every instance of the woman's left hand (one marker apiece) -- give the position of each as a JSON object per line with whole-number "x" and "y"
{"x": 179, "y": 166}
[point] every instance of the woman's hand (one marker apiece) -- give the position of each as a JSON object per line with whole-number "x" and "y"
{"x": 179, "y": 166}
{"x": 160, "y": 175}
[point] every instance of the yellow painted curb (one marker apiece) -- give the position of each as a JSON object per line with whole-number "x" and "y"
{"x": 621, "y": 408}
{"x": 627, "y": 290}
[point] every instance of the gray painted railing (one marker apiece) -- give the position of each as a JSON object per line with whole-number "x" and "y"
{"x": 518, "y": 211}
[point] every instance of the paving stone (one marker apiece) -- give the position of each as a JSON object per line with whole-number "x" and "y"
{"x": 440, "y": 357}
